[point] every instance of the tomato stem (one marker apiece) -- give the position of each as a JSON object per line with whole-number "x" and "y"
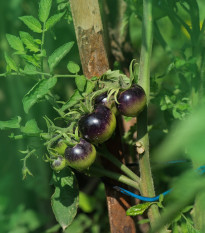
{"x": 105, "y": 153}
{"x": 113, "y": 175}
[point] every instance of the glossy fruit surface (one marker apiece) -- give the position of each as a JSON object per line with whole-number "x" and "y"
{"x": 103, "y": 100}
{"x": 59, "y": 163}
{"x": 81, "y": 156}
{"x": 98, "y": 126}
{"x": 132, "y": 101}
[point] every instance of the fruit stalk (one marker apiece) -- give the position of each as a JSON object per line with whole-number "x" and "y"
{"x": 113, "y": 175}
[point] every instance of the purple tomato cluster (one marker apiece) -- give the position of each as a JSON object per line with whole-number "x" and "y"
{"x": 97, "y": 127}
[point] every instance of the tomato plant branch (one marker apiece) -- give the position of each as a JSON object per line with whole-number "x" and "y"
{"x": 120, "y": 165}
{"x": 115, "y": 176}
{"x": 147, "y": 187}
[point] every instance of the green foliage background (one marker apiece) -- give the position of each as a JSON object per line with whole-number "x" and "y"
{"x": 25, "y": 205}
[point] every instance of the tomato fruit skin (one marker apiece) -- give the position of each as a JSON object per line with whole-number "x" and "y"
{"x": 60, "y": 147}
{"x": 103, "y": 100}
{"x": 59, "y": 164}
{"x": 98, "y": 126}
{"x": 131, "y": 101}
{"x": 81, "y": 156}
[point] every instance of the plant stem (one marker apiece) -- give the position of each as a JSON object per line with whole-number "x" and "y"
{"x": 146, "y": 187}
{"x": 120, "y": 165}
{"x": 42, "y": 44}
{"x": 115, "y": 176}
{"x": 66, "y": 75}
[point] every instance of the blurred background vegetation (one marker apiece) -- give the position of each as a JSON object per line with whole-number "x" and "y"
{"x": 25, "y": 204}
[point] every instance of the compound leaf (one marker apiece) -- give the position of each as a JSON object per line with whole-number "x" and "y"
{"x": 29, "y": 42}
{"x": 15, "y": 42}
{"x": 44, "y": 10}
{"x": 54, "y": 20}
{"x": 59, "y": 54}
{"x": 32, "y": 23}
{"x": 37, "y": 92}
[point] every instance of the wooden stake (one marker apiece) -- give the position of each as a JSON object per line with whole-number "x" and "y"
{"x": 94, "y": 59}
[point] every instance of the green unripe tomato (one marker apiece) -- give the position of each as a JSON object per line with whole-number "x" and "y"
{"x": 81, "y": 156}
{"x": 60, "y": 147}
{"x": 59, "y": 164}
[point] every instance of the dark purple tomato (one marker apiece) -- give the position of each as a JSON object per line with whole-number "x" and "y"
{"x": 98, "y": 126}
{"x": 81, "y": 156}
{"x": 58, "y": 164}
{"x": 132, "y": 101}
{"x": 103, "y": 100}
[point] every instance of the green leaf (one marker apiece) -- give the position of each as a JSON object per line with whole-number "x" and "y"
{"x": 31, "y": 59}
{"x": 73, "y": 67}
{"x": 15, "y": 42}
{"x": 37, "y": 92}
{"x": 64, "y": 201}
{"x": 30, "y": 69}
{"x": 10, "y": 62}
{"x": 32, "y": 23}
{"x": 53, "y": 20}
{"x": 31, "y": 128}
{"x": 44, "y": 10}
{"x": 11, "y": 124}
{"x": 74, "y": 99}
{"x": 80, "y": 82}
{"x": 89, "y": 87}
{"x": 138, "y": 209}
{"x": 59, "y": 54}
{"x": 29, "y": 42}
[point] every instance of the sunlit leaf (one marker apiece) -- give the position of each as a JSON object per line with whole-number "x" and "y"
{"x": 32, "y": 23}
{"x": 29, "y": 42}
{"x": 15, "y": 42}
{"x": 44, "y": 10}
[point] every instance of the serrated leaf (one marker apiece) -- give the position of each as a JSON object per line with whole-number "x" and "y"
{"x": 29, "y": 42}
{"x": 64, "y": 201}
{"x": 80, "y": 82}
{"x": 11, "y": 124}
{"x": 37, "y": 92}
{"x": 53, "y": 20}
{"x": 73, "y": 67}
{"x": 59, "y": 54}
{"x": 31, "y": 128}
{"x": 30, "y": 69}
{"x": 32, "y": 23}
{"x": 138, "y": 209}
{"x": 44, "y": 10}
{"x": 31, "y": 60}
{"x": 74, "y": 99}
{"x": 15, "y": 42}
{"x": 10, "y": 62}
